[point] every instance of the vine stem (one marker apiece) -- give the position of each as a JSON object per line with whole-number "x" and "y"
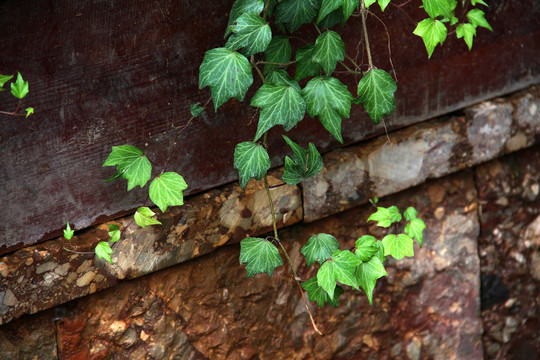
{"x": 366, "y": 38}
{"x": 276, "y": 237}
{"x": 11, "y": 113}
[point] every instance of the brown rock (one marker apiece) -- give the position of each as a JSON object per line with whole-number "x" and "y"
{"x": 207, "y": 308}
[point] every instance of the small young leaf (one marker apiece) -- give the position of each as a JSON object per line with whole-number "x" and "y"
{"x": 436, "y": 8}
{"x": 131, "y": 164}
{"x": 29, "y": 111}
{"x": 305, "y": 66}
{"x": 415, "y": 228}
{"x": 68, "y": 233}
{"x": 227, "y": 73}
{"x": 366, "y": 247}
{"x": 278, "y": 51}
{"x": 114, "y": 233}
{"x": 251, "y": 160}
{"x": 467, "y": 32}
{"x": 395, "y": 216}
{"x": 319, "y": 248}
{"x": 243, "y": 7}
{"x": 260, "y": 256}
{"x": 476, "y": 17}
{"x": 368, "y": 3}
{"x": 398, "y": 246}
{"x": 19, "y": 88}
{"x": 367, "y": 274}
{"x": 281, "y": 105}
{"x": 143, "y": 217}
{"x": 383, "y": 216}
{"x": 329, "y": 49}
{"x": 481, "y": 2}
{"x": 307, "y": 163}
{"x": 330, "y": 6}
{"x": 383, "y": 4}
{"x": 103, "y": 250}
{"x": 4, "y": 79}
{"x": 251, "y": 33}
{"x": 196, "y": 109}
{"x": 167, "y": 190}
{"x": 433, "y": 32}
{"x": 318, "y": 294}
{"x": 410, "y": 213}
{"x": 376, "y": 92}
{"x": 330, "y": 100}
{"x": 294, "y": 13}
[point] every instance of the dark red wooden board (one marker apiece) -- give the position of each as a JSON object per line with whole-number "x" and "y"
{"x": 114, "y": 72}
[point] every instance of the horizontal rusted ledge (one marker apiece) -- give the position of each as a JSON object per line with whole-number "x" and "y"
{"x": 44, "y": 275}
{"x": 38, "y": 277}
{"x": 436, "y": 148}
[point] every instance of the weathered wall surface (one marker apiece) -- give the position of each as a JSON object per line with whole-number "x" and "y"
{"x": 112, "y": 72}
{"x": 471, "y": 292}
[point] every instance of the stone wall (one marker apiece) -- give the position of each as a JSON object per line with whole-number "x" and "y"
{"x": 177, "y": 291}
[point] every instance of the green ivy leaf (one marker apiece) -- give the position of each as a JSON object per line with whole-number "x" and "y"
{"x": 114, "y": 233}
{"x": 341, "y": 267}
{"x": 318, "y": 294}
{"x": 68, "y": 233}
{"x": 380, "y": 252}
{"x": 251, "y": 160}
{"x": 281, "y": 77}
{"x": 260, "y": 256}
{"x": 410, "y": 213}
{"x": 476, "y": 17}
{"x": 305, "y": 66}
{"x": 278, "y": 51}
{"x": 143, "y": 217}
{"x": 329, "y": 49}
{"x": 167, "y": 190}
{"x": 227, "y": 73}
{"x": 433, "y": 32}
{"x": 251, "y": 33}
{"x": 319, "y": 248}
{"x": 474, "y": 2}
{"x": 376, "y": 92}
{"x": 367, "y": 274}
{"x": 330, "y": 100}
{"x": 29, "y": 111}
{"x": 395, "y": 216}
{"x": 196, "y": 109}
{"x": 415, "y": 228}
{"x": 280, "y": 105}
{"x": 383, "y": 4}
{"x": 131, "y": 164}
{"x": 103, "y": 250}
{"x": 307, "y": 163}
{"x": 398, "y": 246}
{"x": 4, "y": 79}
{"x": 366, "y": 247}
{"x": 368, "y": 3}
{"x": 467, "y": 32}
{"x": 243, "y": 7}
{"x": 334, "y": 18}
{"x": 295, "y": 13}
{"x": 436, "y": 8}
{"x": 384, "y": 217}
{"x": 19, "y": 88}
{"x": 329, "y": 6}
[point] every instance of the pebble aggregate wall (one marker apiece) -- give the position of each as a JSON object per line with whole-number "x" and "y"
{"x": 215, "y": 312}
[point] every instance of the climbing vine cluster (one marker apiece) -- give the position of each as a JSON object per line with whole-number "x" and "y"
{"x": 292, "y": 82}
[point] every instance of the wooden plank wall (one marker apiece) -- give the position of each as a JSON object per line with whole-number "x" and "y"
{"x": 115, "y": 72}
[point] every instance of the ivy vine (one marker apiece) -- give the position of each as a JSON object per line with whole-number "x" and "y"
{"x": 294, "y": 82}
